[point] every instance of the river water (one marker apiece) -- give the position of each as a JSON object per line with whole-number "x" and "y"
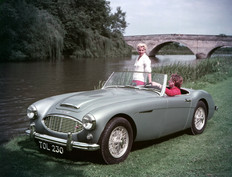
{"x": 21, "y": 84}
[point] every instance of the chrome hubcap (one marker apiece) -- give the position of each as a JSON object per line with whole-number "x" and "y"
{"x": 118, "y": 141}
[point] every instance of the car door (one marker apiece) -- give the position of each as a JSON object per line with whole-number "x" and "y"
{"x": 150, "y": 118}
{"x": 177, "y": 113}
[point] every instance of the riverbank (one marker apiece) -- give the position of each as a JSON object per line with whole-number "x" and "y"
{"x": 181, "y": 154}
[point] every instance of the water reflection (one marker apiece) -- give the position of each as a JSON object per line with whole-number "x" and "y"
{"x": 24, "y": 83}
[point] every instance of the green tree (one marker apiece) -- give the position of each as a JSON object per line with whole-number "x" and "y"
{"x": 118, "y": 23}
{"x": 86, "y": 21}
{"x": 48, "y": 29}
{"x": 28, "y": 33}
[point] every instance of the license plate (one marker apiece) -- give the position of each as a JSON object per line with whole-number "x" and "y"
{"x": 51, "y": 147}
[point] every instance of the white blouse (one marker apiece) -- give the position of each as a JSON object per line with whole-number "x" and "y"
{"x": 142, "y": 64}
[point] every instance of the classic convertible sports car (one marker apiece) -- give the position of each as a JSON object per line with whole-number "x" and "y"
{"x": 112, "y": 118}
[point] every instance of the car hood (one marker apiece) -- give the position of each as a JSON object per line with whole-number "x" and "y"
{"x": 99, "y": 98}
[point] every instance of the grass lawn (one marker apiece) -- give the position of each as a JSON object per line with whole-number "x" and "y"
{"x": 181, "y": 154}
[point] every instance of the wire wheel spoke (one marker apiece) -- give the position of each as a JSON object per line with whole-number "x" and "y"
{"x": 118, "y": 141}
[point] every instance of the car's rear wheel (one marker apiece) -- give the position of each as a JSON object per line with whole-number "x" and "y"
{"x": 199, "y": 118}
{"x": 116, "y": 140}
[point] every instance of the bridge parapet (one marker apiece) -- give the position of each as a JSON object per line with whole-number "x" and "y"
{"x": 202, "y": 46}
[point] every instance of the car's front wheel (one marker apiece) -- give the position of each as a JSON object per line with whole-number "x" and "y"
{"x": 199, "y": 118}
{"x": 116, "y": 140}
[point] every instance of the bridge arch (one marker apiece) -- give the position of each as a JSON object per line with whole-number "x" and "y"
{"x": 214, "y": 49}
{"x": 155, "y": 49}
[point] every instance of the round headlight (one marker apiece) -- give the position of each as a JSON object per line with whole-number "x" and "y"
{"x": 89, "y": 122}
{"x": 31, "y": 112}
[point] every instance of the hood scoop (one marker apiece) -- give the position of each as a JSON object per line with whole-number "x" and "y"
{"x": 75, "y": 104}
{"x": 68, "y": 105}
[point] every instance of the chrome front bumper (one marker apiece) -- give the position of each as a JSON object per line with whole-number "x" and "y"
{"x": 69, "y": 143}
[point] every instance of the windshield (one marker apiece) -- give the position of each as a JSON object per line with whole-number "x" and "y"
{"x": 126, "y": 79}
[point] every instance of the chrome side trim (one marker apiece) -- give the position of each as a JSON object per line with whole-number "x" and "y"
{"x": 147, "y": 111}
{"x": 63, "y": 142}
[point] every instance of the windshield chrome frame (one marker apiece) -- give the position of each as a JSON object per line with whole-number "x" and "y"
{"x": 164, "y": 85}
{"x": 161, "y": 93}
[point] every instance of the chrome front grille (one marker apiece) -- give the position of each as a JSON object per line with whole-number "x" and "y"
{"x": 62, "y": 124}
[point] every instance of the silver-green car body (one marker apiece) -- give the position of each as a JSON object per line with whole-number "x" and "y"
{"x": 79, "y": 120}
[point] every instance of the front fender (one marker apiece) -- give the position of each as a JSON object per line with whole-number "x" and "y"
{"x": 103, "y": 116}
{"x": 127, "y": 108}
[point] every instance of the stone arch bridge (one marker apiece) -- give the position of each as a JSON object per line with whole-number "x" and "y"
{"x": 202, "y": 46}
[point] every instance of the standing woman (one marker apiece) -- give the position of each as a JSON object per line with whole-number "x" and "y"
{"x": 142, "y": 64}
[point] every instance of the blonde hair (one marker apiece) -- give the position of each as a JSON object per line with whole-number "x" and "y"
{"x": 142, "y": 45}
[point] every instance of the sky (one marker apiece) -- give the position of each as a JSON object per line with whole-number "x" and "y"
{"x": 204, "y": 17}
